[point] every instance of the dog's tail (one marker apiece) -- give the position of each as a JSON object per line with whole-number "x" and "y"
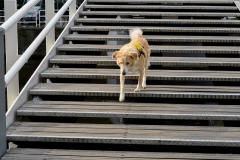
{"x": 135, "y": 33}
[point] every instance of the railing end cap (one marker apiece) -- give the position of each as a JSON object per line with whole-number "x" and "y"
{"x": 2, "y": 29}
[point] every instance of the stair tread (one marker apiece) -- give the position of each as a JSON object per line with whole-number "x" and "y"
{"x": 157, "y": 91}
{"x": 202, "y": 7}
{"x": 208, "y": 14}
{"x": 168, "y": 1}
{"x": 130, "y": 110}
{"x": 164, "y": 38}
{"x": 36, "y": 154}
{"x": 186, "y": 61}
{"x": 158, "y": 29}
{"x": 124, "y": 134}
{"x": 157, "y": 21}
{"x": 157, "y": 49}
{"x": 201, "y": 75}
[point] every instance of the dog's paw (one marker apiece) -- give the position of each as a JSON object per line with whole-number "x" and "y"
{"x": 144, "y": 86}
{"x": 137, "y": 90}
{"x": 121, "y": 97}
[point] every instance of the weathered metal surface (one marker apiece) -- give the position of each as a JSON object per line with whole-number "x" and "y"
{"x": 158, "y": 21}
{"x": 166, "y": 61}
{"x": 149, "y": 7}
{"x": 159, "y": 29}
{"x": 146, "y": 14}
{"x": 155, "y": 91}
{"x": 167, "y": 1}
{"x": 124, "y": 134}
{"x": 156, "y": 49}
{"x": 154, "y": 38}
{"x": 171, "y": 75}
{"x": 130, "y": 110}
{"x": 37, "y": 154}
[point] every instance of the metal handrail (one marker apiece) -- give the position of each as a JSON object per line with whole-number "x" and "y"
{"x": 18, "y": 15}
{"x": 30, "y": 50}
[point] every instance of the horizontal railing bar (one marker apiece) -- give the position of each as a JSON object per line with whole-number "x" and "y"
{"x": 18, "y": 15}
{"x": 30, "y": 50}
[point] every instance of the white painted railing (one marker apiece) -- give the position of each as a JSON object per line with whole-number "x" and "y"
{"x": 7, "y": 119}
{"x": 31, "y": 49}
{"x": 38, "y": 20}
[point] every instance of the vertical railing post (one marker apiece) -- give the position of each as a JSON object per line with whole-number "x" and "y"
{"x": 72, "y": 9}
{"x": 11, "y": 44}
{"x": 50, "y": 39}
{"x": 3, "y": 143}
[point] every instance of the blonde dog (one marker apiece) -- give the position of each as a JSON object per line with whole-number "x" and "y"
{"x": 133, "y": 57}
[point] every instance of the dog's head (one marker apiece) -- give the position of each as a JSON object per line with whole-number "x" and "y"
{"x": 125, "y": 60}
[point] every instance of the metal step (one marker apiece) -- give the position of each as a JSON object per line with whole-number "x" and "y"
{"x": 124, "y": 134}
{"x": 159, "y": 29}
{"x": 146, "y": 14}
{"x": 130, "y": 110}
{"x": 154, "y": 38}
{"x": 37, "y": 154}
{"x": 157, "y": 21}
{"x": 167, "y": 1}
{"x": 165, "y": 61}
{"x": 155, "y": 49}
{"x": 171, "y": 75}
{"x": 153, "y": 7}
{"x": 155, "y": 91}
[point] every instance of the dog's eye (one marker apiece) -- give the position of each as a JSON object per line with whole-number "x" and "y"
{"x": 127, "y": 63}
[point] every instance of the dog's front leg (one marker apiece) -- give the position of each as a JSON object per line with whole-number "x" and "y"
{"x": 140, "y": 79}
{"x": 122, "y": 93}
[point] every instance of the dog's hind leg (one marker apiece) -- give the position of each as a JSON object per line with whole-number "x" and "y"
{"x": 122, "y": 93}
{"x": 140, "y": 80}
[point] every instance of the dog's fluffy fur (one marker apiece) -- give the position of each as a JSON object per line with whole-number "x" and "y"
{"x": 133, "y": 57}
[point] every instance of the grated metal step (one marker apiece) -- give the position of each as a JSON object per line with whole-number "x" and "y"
{"x": 130, "y": 110}
{"x": 157, "y": 21}
{"x": 124, "y": 134}
{"x": 171, "y": 75}
{"x": 37, "y": 154}
{"x": 166, "y": 61}
{"x": 155, "y": 49}
{"x": 154, "y": 38}
{"x": 154, "y": 91}
{"x": 159, "y": 29}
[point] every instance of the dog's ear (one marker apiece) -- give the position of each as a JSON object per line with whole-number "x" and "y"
{"x": 134, "y": 55}
{"x": 115, "y": 54}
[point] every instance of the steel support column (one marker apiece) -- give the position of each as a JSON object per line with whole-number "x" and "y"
{"x": 3, "y": 143}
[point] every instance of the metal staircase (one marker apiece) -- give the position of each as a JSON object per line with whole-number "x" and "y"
{"x": 190, "y": 109}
